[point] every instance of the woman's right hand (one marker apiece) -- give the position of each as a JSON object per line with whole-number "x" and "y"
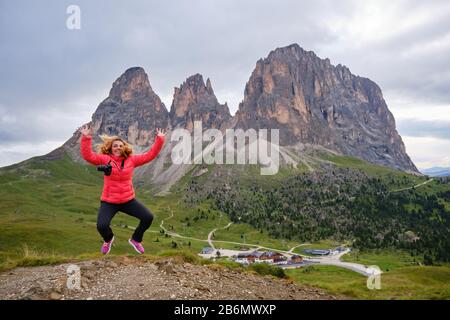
{"x": 86, "y": 130}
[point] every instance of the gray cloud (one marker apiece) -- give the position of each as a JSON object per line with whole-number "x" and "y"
{"x": 221, "y": 40}
{"x": 420, "y": 128}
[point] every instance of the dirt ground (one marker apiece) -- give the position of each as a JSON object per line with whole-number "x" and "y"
{"x": 134, "y": 279}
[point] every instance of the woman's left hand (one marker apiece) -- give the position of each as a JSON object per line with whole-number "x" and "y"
{"x": 161, "y": 132}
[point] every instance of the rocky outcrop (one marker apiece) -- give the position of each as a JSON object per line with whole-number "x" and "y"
{"x": 132, "y": 110}
{"x": 195, "y": 101}
{"x": 311, "y": 101}
{"x": 163, "y": 279}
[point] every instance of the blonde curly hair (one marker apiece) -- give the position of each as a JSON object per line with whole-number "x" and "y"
{"x": 106, "y": 146}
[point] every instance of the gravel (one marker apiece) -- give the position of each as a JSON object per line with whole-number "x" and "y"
{"x": 137, "y": 278}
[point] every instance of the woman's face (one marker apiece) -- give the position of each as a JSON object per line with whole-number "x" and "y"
{"x": 117, "y": 147}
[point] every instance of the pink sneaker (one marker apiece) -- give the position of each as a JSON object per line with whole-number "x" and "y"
{"x": 137, "y": 246}
{"x": 106, "y": 247}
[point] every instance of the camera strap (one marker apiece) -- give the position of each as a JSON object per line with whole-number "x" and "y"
{"x": 121, "y": 165}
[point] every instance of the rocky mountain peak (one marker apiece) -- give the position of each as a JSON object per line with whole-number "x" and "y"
{"x": 293, "y": 50}
{"x": 311, "y": 101}
{"x": 132, "y": 84}
{"x": 209, "y": 86}
{"x": 132, "y": 111}
{"x": 194, "y": 100}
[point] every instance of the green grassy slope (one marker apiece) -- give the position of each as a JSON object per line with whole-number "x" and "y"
{"x": 48, "y": 212}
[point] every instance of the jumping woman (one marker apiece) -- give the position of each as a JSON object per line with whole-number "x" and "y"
{"x": 115, "y": 158}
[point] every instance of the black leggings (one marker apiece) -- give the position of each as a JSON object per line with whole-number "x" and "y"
{"x": 134, "y": 208}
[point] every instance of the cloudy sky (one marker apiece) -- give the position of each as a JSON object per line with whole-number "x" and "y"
{"x": 53, "y": 78}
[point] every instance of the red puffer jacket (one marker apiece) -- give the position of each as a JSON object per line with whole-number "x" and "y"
{"x": 118, "y": 187}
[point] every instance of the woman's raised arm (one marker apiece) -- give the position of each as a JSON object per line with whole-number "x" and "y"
{"x": 86, "y": 148}
{"x": 141, "y": 159}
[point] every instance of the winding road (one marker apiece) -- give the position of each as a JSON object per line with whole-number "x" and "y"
{"x": 212, "y": 232}
{"x": 416, "y": 186}
{"x": 333, "y": 259}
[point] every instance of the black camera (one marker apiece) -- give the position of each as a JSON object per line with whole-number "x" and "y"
{"x": 105, "y": 168}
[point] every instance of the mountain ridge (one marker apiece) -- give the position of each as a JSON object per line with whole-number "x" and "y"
{"x": 311, "y": 101}
{"x": 277, "y": 91}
